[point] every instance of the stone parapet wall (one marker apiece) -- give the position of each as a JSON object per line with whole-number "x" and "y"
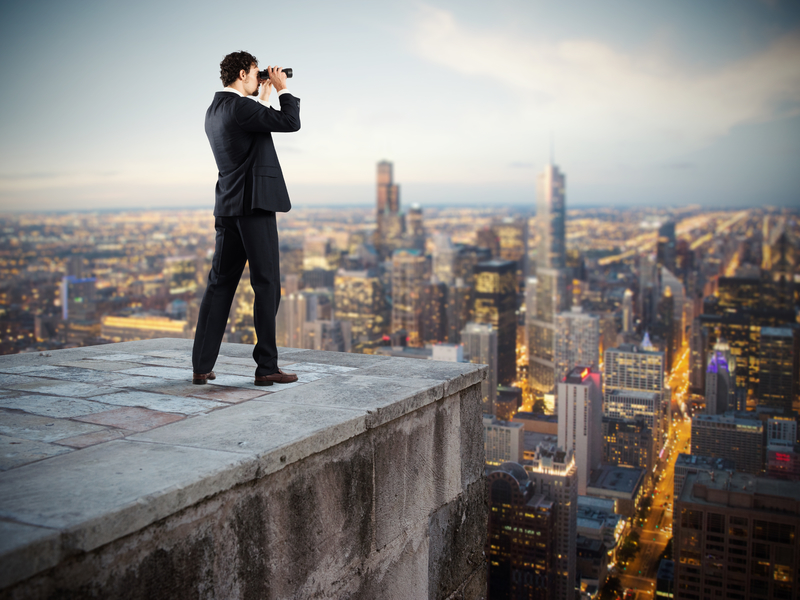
{"x": 366, "y": 483}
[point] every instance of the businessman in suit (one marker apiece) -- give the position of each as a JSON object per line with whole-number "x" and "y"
{"x": 250, "y": 190}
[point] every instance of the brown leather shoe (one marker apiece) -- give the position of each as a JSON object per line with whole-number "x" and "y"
{"x": 203, "y": 378}
{"x": 279, "y": 377}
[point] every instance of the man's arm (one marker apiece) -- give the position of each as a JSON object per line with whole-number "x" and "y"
{"x": 252, "y": 116}
{"x": 261, "y": 118}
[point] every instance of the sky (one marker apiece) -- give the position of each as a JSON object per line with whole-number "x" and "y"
{"x": 664, "y": 103}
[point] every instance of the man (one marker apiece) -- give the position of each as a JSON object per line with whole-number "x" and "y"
{"x": 250, "y": 190}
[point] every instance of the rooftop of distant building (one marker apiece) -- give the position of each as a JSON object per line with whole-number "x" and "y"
{"x": 616, "y": 479}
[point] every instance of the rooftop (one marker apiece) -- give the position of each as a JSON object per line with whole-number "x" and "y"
{"x": 696, "y": 461}
{"x": 103, "y": 441}
{"x": 616, "y": 479}
{"x": 763, "y": 492}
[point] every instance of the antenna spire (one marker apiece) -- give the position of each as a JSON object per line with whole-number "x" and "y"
{"x": 552, "y": 149}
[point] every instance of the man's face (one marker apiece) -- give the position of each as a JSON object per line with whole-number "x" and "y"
{"x": 251, "y": 81}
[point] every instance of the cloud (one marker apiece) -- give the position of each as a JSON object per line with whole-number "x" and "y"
{"x": 588, "y": 84}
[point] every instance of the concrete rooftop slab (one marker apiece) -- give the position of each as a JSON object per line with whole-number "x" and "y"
{"x": 104, "y": 440}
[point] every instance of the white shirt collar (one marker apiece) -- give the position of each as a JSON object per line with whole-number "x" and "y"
{"x": 234, "y": 90}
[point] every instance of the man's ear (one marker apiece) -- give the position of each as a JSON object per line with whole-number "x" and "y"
{"x": 242, "y": 74}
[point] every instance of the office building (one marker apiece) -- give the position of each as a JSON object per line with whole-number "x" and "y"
{"x": 736, "y": 536}
{"x": 358, "y": 297}
{"x": 628, "y": 442}
{"x": 409, "y": 270}
{"x": 577, "y": 340}
{"x": 739, "y": 436}
{"x": 433, "y": 319}
{"x": 495, "y": 302}
{"x": 580, "y": 419}
{"x": 503, "y": 441}
{"x": 480, "y": 347}
{"x": 778, "y": 368}
{"x": 629, "y": 405}
{"x": 625, "y": 486}
{"x": 522, "y": 537}
{"x": 633, "y": 369}
{"x": 553, "y": 472}
{"x": 740, "y": 309}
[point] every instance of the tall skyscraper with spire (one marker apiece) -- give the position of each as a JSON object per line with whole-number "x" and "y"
{"x": 551, "y": 218}
{"x": 389, "y": 221}
{"x": 551, "y": 280}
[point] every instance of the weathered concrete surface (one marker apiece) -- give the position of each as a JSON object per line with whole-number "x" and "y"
{"x": 363, "y": 480}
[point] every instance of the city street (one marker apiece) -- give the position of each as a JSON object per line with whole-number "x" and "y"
{"x": 657, "y": 530}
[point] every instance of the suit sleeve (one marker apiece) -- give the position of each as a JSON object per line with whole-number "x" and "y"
{"x": 255, "y": 117}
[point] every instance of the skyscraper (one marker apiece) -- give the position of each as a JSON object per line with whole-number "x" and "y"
{"x": 550, "y": 217}
{"x": 548, "y": 290}
{"x": 580, "y": 419}
{"x": 577, "y": 340}
{"x": 495, "y": 301}
{"x": 522, "y": 534}
{"x": 408, "y": 275}
{"x": 389, "y": 224}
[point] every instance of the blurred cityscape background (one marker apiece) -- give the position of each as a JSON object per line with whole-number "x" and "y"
{"x": 628, "y": 349}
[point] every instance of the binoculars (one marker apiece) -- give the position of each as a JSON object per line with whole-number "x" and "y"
{"x": 264, "y": 75}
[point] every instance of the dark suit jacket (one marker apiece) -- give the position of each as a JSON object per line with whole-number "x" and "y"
{"x": 240, "y": 132}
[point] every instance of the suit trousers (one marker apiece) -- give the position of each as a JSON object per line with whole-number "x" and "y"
{"x": 252, "y": 239}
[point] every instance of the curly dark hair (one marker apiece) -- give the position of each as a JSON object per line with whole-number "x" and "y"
{"x": 233, "y": 64}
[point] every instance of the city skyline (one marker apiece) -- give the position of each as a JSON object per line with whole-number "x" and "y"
{"x": 667, "y": 105}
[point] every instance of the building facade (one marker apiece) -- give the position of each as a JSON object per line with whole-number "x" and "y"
{"x": 580, "y": 420}
{"x": 577, "y": 340}
{"x": 739, "y": 436}
{"x": 737, "y": 536}
{"x": 495, "y": 302}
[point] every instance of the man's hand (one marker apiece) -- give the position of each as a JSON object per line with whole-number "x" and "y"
{"x": 266, "y": 88}
{"x": 277, "y": 78}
